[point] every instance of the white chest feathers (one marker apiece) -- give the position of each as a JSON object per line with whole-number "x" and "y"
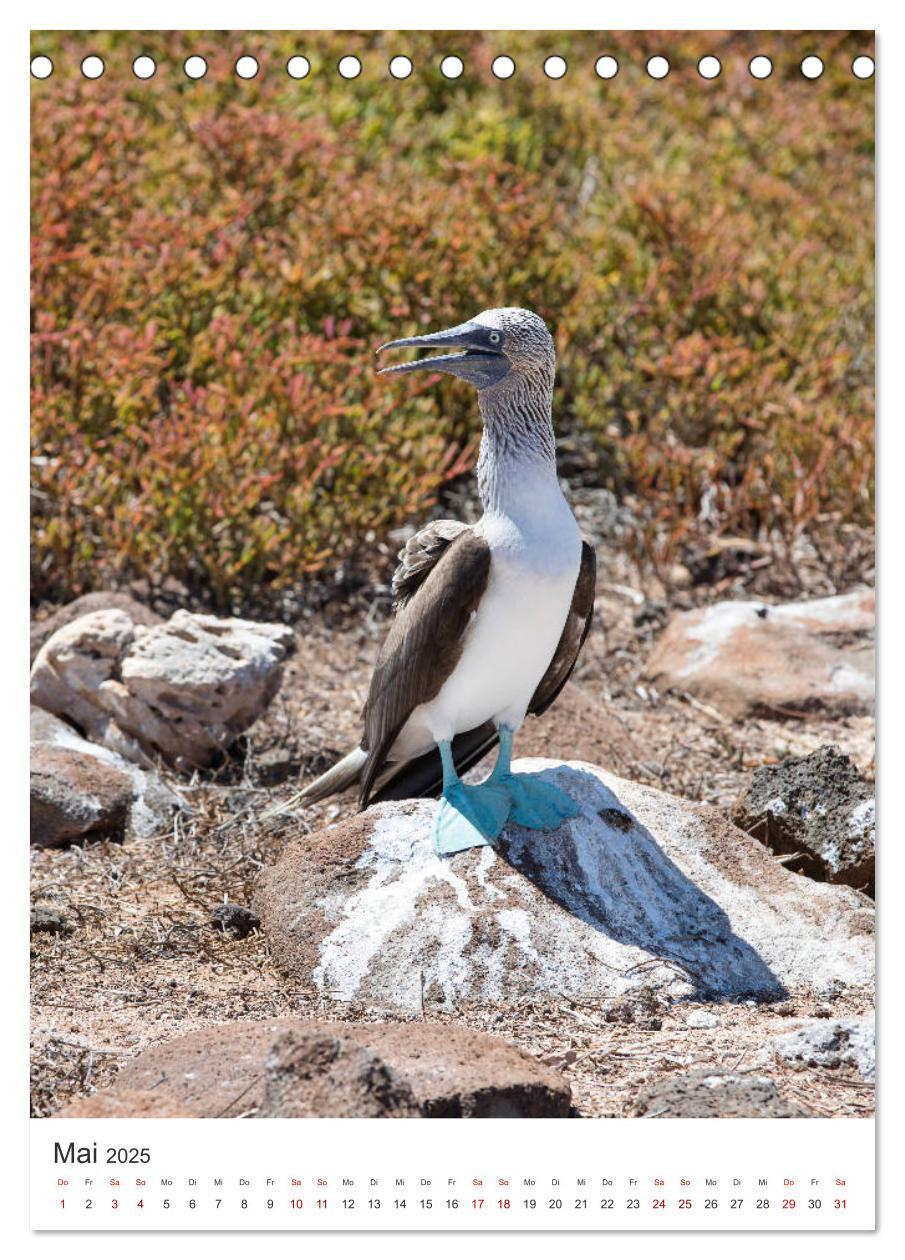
{"x": 534, "y": 562}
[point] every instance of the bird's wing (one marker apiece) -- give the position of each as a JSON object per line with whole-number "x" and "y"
{"x": 423, "y": 646}
{"x": 574, "y": 633}
{"x": 420, "y": 554}
{"x": 423, "y": 776}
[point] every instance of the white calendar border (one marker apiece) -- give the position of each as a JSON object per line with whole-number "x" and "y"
{"x": 466, "y": 14}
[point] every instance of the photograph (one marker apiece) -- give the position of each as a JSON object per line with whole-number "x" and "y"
{"x": 452, "y": 581}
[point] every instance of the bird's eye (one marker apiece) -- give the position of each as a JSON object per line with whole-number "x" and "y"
{"x": 494, "y": 338}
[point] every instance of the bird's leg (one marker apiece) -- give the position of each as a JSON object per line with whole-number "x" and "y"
{"x": 536, "y": 802}
{"x": 469, "y": 814}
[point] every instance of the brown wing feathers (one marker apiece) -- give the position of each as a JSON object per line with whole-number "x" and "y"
{"x": 423, "y": 646}
{"x": 574, "y": 633}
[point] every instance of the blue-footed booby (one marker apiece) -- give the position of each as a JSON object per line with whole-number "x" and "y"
{"x": 489, "y": 618}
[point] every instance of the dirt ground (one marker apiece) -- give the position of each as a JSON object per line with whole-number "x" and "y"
{"x": 142, "y": 962}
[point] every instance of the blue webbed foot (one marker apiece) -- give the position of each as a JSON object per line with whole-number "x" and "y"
{"x": 470, "y": 815}
{"x": 536, "y": 802}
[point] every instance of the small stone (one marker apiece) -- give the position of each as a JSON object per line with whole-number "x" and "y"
{"x": 701, "y": 1019}
{"x": 237, "y": 920}
{"x": 831, "y": 1044}
{"x": 711, "y": 1093}
{"x": 818, "y": 807}
{"x": 275, "y": 766}
{"x": 81, "y": 790}
{"x": 47, "y": 919}
{"x": 74, "y": 795}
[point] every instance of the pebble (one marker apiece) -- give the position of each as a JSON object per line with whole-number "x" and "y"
{"x": 702, "y": 1019}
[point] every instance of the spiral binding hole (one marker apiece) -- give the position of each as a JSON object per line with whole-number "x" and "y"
{"x": 452, "y": 67}
{"x": 400, "y": 67}
{"x": 863, "y": 67}
{"x": 41, "y": 67}
{"x": 92, "y": 67}
{"x": 247, "y": 67}
{"x": 606, "y": 67}
{"x": 555, "y": 67}
{"x": 349, "y": 67}
{"x": 195, "y": 67}
{"x": 144, "y": 67}
{"x": 657, "y": 67}
{"x": 298, "y": 67}
{"x": 760, "y": 67}
{"x": 709, "y": 67}
{"x": 503, "y": 67}
{"x": 812, "y": 67}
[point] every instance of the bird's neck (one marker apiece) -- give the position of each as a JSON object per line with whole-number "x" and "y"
{"x": 518, "y": 449}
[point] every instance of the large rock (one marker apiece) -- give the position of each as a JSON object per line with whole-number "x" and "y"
{"x": 642, "y": 889}
{"x": 831, "y": 1043}
{"x": 80, "y": 789}
{"x": 182, "y": 691}
{"x": 712, "y": 1093}
{"x": 767, "y": 659}
{"x": 293, "y": 1067}
{"x": 94, "y": 601}
{"x": 819, "y": 808}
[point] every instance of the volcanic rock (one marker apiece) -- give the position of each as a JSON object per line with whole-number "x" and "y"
{"x": 182, "y": 691}
{"x": 772, "y": 660}
{"x": 80, "y": 789}
{"x": 294, "y": 1067}
{"x": 94, "y": 601}
{"x": 711, "y": 1093}
{"x": 818, "y": 807}
{"x": 831, "y": 1043}
{"x": 642, "y": 890}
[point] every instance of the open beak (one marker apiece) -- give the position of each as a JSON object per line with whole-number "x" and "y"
{"x": 473, "y": 359}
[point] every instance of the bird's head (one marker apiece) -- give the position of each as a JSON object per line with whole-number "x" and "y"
{"x": 505, "y": 344}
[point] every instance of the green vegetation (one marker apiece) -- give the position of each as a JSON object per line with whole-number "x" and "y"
{"x": 214, "y": 263}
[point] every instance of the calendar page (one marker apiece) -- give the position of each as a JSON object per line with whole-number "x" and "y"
{"x": 452, "y": 641}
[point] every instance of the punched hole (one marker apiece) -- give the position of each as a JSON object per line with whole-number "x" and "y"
{"x": 812, "y": 67}
{"x": 709, "y": 67}
{"x": 41, "y": 67}
{"x": 760, "y": 67}
{"x": 503, "y": 67}
{"x": 606, "y": 67}
{"x": 298, "y": 67}
{"x": 452, "y": 67}
{"x": 657, "y": 67}
{"x": 863, "y": 67}
{"x": 144, "y": 67}
{"x": 349, "y": 67}
{"x": 92, "y": 67}
{"x": 195, "y": 67}
{"x": 247, "y": 67}
{"x": 555, "y": 67}
{"x": 400, "y": 67}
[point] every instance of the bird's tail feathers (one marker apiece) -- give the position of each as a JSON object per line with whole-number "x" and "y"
{"x": 337, "y": 779}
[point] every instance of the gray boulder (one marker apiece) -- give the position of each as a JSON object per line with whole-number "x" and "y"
{"x": 820, "y": 808}
{"x": 80, "y": 789}
{"x": 641, "y": 890}
{"x": 182, "y": 691}
{"x": 831, "y": 1043}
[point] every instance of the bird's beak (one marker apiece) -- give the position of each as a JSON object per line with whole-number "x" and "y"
{"x": 475, "y": 358}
